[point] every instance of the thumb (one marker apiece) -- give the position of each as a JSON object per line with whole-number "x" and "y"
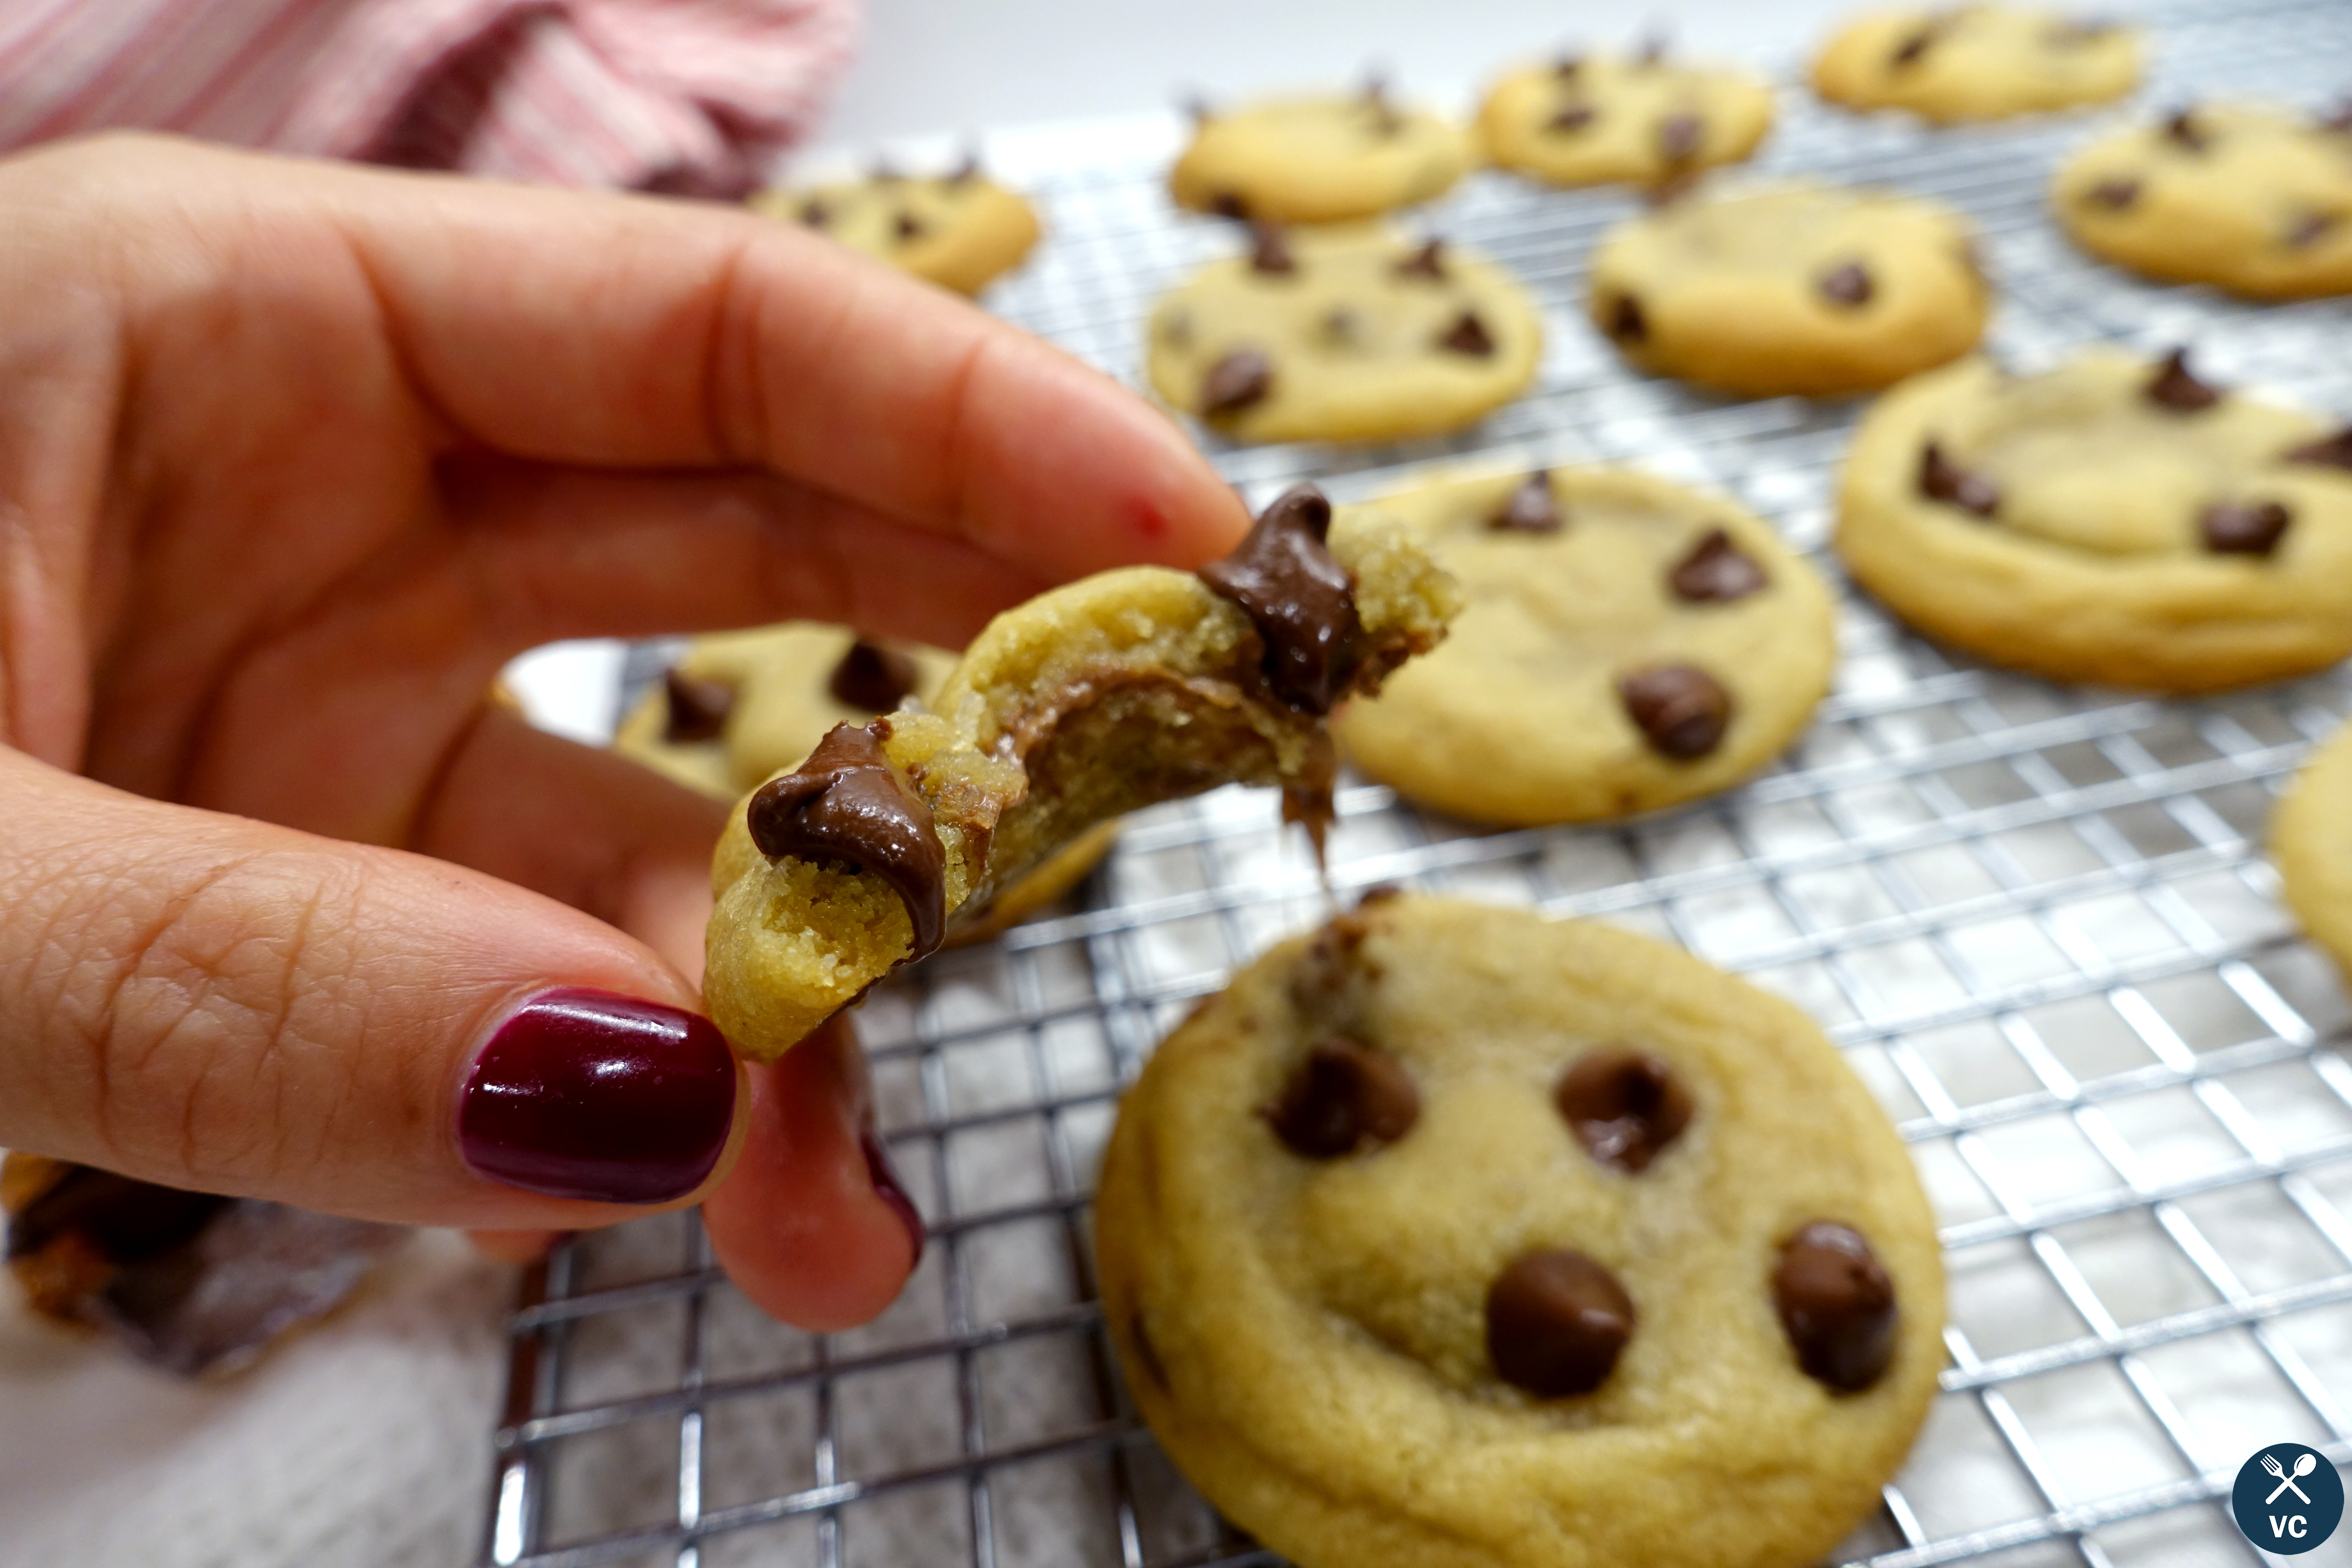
{"x": 213, "y": 1002}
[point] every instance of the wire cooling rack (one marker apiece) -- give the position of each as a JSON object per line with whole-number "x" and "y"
{"x": 2036, "y": 919}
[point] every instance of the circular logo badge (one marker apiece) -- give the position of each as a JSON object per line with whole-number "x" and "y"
{"x": 2288, "y": 1499}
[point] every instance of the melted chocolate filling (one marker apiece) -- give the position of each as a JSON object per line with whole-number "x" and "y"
{"x": 847, "y": 803}
{"x": 1302, "y": 601}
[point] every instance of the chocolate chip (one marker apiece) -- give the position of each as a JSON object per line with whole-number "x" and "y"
{"x": 1836, "y": 1305}
{"x": 1270, "y": 251}
{"x": 1341, "y": 324}
{"x": 1655, "y": 45}
{"x": 1623, "y": 1106}
{"x": 2337, "y": 120}
{"x": 2244, "y": 528}
{"x": 1386, "y": 121}
{"x": 1238, "y": 381}
{"x": 1176, "y": 329}
{"x": 1468, "y": 335}
{"x": 1680, "y": 137}
{"x": 2115, "y": 195}
{"x": 1427, "y": 261}
{"x": 2310, "y": 229}
{"x": 1913, "y": 48}
{"x": 871, "y": 680}
{"x": 2172, "y": 386}
{"x": 1680, "y": 708}
{"x": 1567, "y": 67}
{"x": 1942, "y": 480}
{"x": 1666, "y": 193}
{"x": 815, "y": 214}
{"x": 2183, "y": 131}
{"x": 1344, "y": 1097}
{"x": 1848, "y": 285}
{"x": 1229, "y": 203}
{"x": 1626, "y": 321}
{"x": 1197, "y": 109}
{"x": 2336, "y": 451}
{"x": 1556, "y": 1323}
{"x": 1715, "y": 571}
{"x": 1575, "y": 117}
{"x": 966, "y": 172}
{"x": 696, "y": 708}
{"x": 1532, "y": 508}
{"x": 1302, "y": 601}
{"x": 848, "y": 802}
{"x": 908, "y": 226}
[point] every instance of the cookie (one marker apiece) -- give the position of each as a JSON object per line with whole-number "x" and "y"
{"x": 1623, "y": 644}
{"x": 739, "y": 707}
{"x": 1101, "y": 696}
{"x": 2311, "y": 841}
{"x": 1596, "y": 119}
{"x": 2251, "y": 199}
{"x": 2111, "y": 520}
{"x": 1796, "y": 289}
{"x": 1317, "y": 160}
{"x": 1455, "y": 1238}
{"x": 1977, "y": 62}
{"x": 958, "y": 230}
{"x": 1343, "y": 335}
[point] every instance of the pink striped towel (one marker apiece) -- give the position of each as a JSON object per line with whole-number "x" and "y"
{"x": 692, "y": 96}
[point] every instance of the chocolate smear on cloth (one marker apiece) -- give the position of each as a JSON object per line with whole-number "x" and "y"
{"x": 694, "y": 708}
{"x": 1836, "y": 1305}
{"x": 871, "y": 678}
{"x": 2335, "y": 451}
{"x": 847, "y": 803}
{"x": 1556, "y": 1323}
{"x": 1427, "y": 260}
{"x": 1680, "y": 137}
{"x": 1623, "y": 1106}
{"x": 1531, "y": 509}
{"x": 1942, "y": 480}
{"x": 2175, "y": 387}
{"x": 188, "y": 1281}
{"x": 1270, "y": 251}
{"x": 2114, "y": 194}
{"x": 1848, "y": 285}
{"x": 1468, "y": 335}
{"x": 1344, "y": 1097}
{"x": 1680, "y": 708}
{"x": 2244, "y": 528}
{"x": 1302, "y": 602}
{"x": 1240, "y": 380}
{"x": 1715, "y": 571}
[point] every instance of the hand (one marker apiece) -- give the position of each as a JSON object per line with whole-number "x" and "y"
{"x": 292, "y": 459}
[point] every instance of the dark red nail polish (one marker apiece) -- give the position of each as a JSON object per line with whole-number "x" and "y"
{"x": 887, "y": 1187}
{"x": 587, "y": 1094}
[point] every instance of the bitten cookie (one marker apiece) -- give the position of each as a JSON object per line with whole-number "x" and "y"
{"x": 1317, "y": 160}
{"x": 740, "y": 706}
{"x": 1977, "y": 62}
{"x": 1455, "y": 1238}
{"x": 958, "y": 230}
{"x": 1343, "y": 335}
{"x": 2111, "y": 520}
{"x": 1792, "y": 290}
{"x": 1591, "y": 120}
{"x": 1623, "y": 644}
{"x": 2311, "y": 840}
{"x": 2251, "y": 199}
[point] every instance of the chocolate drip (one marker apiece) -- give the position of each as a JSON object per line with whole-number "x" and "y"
{"x": 1836, "y": 1305}
{"x": 1556, "y": 1323}
{"x": 1942, "y": 480}
{"x": 847, "y": 803}
{"x": 1344, "y": 1097}
{"x": 695, "y": 709}
{"x": 1302, "y": 601}
{"x": 2174, "y": 387}
{"x": 1715, "y": 571}
{"x": 1623, "y": 1106}
{"x": 1532, "y": 508}
{"x": 871, "y": 680}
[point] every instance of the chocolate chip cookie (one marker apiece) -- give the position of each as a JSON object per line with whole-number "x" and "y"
{"x": 2311, "y": 841}
{"x": 2113, "y": 520}
{"x": 1644, "y": 119}
{"x": 2254, "y": 199}
{"x": 1977, "y": 62}
{"x": 1623, "y": 644}
{"x": 1455, "y": 1235}
{"x": 1097, "y": 699}
{"x": 1359, "y": 334}
{"x": 1796, "y": 289}
{"x": 958, "y": 230}
{"x": 1316, "y": 159}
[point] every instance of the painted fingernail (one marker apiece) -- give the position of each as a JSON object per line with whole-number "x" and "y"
{"x": 587, "y": 1094}
{"x": 887, "y": 1187}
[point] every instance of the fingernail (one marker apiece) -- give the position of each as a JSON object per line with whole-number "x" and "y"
{"x": 887, "y": 1187}
{"x": 587, "y": 1094}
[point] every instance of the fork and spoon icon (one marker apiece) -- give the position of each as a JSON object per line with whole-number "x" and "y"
{"x": 2303, "y": 1465}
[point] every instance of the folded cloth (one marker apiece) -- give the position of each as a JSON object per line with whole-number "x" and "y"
{"x": 692, "y": 96}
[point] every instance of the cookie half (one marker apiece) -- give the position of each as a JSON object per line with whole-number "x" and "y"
{"x": 2254, "y": 199}
{"x": 2112, "y": 520}
{"x": 1625, "y": 644}
{"x": 1977, "y": 62}
{"x": 958, "y": 230}
{"x": 1593, "y": 120}
{"x": 1316, "y": 159}
{"x": 1454, "y": 1236}
{"x": 2311, "y": 841}
{"x": 1355, "y": 334}
{"x": 1792, "y": 289}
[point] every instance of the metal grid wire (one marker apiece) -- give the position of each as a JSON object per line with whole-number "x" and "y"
{"x": 2036, "y": 919}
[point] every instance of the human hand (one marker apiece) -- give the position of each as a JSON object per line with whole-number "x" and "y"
{"x": 292, "y": 459}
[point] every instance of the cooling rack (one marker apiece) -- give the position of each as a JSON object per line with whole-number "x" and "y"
{"x": 2036, "y": 919}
